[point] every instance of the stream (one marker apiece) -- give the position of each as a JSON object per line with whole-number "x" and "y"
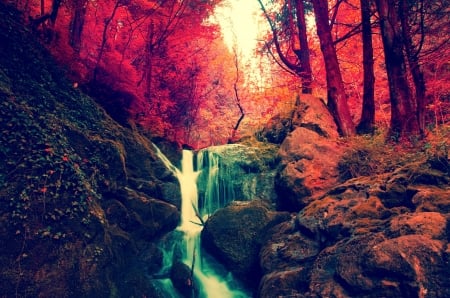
{"x": 210, "y": 278}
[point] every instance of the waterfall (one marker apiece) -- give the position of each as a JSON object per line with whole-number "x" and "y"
{"x": 216, "y": 182}
{"x": 210, "y": 276}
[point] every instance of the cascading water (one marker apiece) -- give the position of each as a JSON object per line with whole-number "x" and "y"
{"x": 212, "y": 282}
{"x": 215, "y": 183}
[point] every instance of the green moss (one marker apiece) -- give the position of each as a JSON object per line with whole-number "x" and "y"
{"x": 372, "y": 155}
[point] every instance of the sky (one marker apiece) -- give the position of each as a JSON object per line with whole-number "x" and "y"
{"x": 240, "y": 22}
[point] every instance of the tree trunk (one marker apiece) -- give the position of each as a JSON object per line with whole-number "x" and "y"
{"x": 45, "y": 16}
{"x": 403, "y": 119}
{"x": 104, "y": 40}
{"x": 77, "y": 24}
{"x": 148, "y": 71}
{"x": 304, "y": 53}
{"x": 367, "y": 121}
{"x": 337, "y": 98}
{"x": 42, "y": 7}
{"x": 302, "y": 67}
{"x": 414, "y": 66}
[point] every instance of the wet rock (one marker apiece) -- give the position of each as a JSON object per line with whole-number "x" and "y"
{"x": 152, "y": 217}
{"x": 233, "y": 235}
{"x": 182, "y": 279}
{"x": 157, "y": 290}
{"x": 255, "y": 165}
{"x": 170, "y": 193}
{"x": 136, "y": 284}
{"x": 152, "y": 258}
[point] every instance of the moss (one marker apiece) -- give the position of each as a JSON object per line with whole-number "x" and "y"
{"x": 61, "y": 158}
{"x": 371, "y": 155}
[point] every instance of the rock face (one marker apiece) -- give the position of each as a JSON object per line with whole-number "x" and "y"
{"x": 238, "y": 172}
{"x": 384, "y": 236}
{"x": 309, "y": 156}
{"x": 276, "y": 130}
{"x": 234, "y": 235}
{"x": 83, "y": 199}
{"x": 182, "y": 279}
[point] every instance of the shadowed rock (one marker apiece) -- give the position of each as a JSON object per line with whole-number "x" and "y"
{"x": 233, "y": 235}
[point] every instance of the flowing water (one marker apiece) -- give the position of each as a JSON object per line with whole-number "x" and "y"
{"x": 211, "y": 277}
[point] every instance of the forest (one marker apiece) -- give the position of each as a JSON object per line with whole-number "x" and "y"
{"x": 224, "y": 148}
{"x": 163, "y": 66}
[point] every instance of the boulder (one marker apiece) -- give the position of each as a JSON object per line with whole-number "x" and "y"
{"x": 292, "y": 282}
{"x": 432, "y": 224}
{"x": 309, "y": 157}
{"x": 312, "y": 113}
{"x": 309, "y": 112}
{"x": 431, "y": 198}
{"x": 380, "y": 236}
{"x": 309, "y": 168}
{"x": 233, "y": 235}
{"x": 276, "y": 129}
{"x": 411, "y": 265}
{"x": 286, "y": 246}
{"x": 183, "y": 279}
{"x": 151, "y": 217}
{"x": 339, "y": 265}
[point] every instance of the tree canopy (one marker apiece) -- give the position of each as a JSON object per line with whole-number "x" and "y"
{"x": 163, "y": 66}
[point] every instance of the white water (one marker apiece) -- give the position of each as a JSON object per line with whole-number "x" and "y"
{"x": 212, "y": 284}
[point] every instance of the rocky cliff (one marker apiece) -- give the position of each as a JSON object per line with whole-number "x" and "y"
{"x": 380, "y": 235}
{"x": 83, "y": 199}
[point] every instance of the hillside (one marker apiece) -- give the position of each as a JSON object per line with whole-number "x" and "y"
{"x": 80, "y": 195}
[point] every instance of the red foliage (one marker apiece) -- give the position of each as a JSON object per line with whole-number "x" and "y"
{"x": 160, "y": 65}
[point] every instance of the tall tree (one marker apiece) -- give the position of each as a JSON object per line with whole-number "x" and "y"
{"x": 404, "y": 122}
{"x": 292, "y": 29}
{"x": 367, "y": 121}
{"x": 303, "y": 53}
{"x": 52, "y": 15}
{"x": 77, "y": 23}
{"x": 337, "y": 98}
{"x": 412, "y": 53}
{"x": 104, "y": 39}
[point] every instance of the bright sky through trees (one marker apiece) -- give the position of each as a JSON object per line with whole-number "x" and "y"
{"x": 241, "y": 26}
{"x": 240, "y": 23}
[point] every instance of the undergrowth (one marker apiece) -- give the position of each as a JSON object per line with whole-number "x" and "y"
{"x": 372, "y": 155}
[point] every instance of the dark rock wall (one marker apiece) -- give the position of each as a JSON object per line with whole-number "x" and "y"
{"x": 83, "y": 199}
{"x": 382, "y": 236}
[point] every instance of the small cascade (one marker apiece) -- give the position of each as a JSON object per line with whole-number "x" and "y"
{"x": 215, "y": 182}
{"x": 210, "y": 277}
